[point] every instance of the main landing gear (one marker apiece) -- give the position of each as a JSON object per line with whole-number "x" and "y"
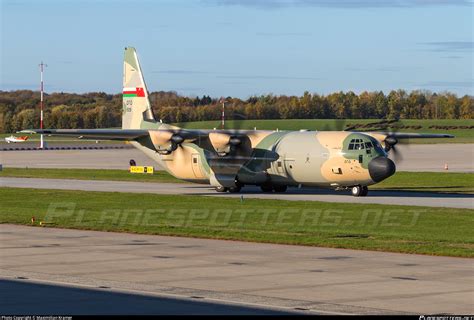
{"x": 265, "y": 188}
{"x": 221, "y": 189}
{"x": 359, "y": 191}
{"x": 235, "y": 189}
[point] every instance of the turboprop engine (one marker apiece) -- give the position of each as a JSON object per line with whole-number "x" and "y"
{"x": 165, "y": 142}
{"x": 223, "y": 143}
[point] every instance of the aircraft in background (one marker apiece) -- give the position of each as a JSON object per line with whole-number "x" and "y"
{"x": 231, "y": 159}
{"x": 13, "y": 139}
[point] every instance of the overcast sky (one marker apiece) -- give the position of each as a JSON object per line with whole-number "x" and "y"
{"x": 240, "y": 47}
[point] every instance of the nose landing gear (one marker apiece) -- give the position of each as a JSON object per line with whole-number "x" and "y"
{"x": 359, "y": 191}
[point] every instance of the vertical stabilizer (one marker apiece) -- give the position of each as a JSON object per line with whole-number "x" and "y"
{"x": 136, "y": 105}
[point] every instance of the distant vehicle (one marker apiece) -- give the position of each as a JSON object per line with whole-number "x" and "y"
{"x": 230, "y": 159}
{"x": 13, "y": 139}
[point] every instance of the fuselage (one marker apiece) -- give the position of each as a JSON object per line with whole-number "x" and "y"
{"x": 13, "y": 139}
{"x": 310, "y": 158}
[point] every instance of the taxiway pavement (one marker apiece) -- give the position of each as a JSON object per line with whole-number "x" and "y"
{"x": 183, "y": 274}
{"x": 430, "y": 199}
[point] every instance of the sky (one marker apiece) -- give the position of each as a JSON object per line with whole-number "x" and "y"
{"x": 240, "y": 48}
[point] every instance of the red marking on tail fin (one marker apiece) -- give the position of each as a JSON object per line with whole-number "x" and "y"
{"x": 140, "y": 92}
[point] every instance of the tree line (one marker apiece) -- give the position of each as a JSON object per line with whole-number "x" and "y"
{"x": 20, "y": 109}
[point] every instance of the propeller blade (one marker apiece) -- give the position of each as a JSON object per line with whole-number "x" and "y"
{"x": 397, "y": 155}
{"x": 177, "y": 139}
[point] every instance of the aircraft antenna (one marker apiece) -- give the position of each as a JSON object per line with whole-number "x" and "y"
{"x": 41, "y": 65}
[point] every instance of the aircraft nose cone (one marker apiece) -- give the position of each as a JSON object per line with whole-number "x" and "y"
{"x": 381, "y": 168}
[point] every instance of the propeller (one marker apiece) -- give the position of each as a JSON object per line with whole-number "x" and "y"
{"x": 390, "y": 143}
{"x": 224, "y": 143}
{"x": 167, "y": 141}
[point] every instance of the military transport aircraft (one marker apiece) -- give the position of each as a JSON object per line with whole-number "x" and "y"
{"x": 230, "y": 159}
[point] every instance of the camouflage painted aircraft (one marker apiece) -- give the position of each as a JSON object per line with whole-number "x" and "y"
{"x": 230, "y": 159}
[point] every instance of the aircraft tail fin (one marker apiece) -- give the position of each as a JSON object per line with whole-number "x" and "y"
{"x": 136, "y": 112}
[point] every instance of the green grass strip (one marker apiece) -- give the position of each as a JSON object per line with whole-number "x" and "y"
{"x": 407, "y": 229}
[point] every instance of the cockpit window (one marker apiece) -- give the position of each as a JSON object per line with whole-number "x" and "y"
{"x": 359, "y": 144}
{"x": 362, "y": 144}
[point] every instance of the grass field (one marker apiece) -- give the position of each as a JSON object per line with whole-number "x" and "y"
{"x": 423, "y": 230}
{"x": 462, "y": 135}
{"x": 409, "y": 181}
{"x": 446, "y": 182}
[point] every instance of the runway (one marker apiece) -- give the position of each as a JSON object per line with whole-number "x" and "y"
{"x": 430, "y": 199}
{"x": 183, "y": 274}
{"x": 418, "y": 157}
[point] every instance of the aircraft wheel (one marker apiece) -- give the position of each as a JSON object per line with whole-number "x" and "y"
{"x": 356, "y": 191}
{"x": 221, "y": 189}
{"x": 280, "y": 188}
{"x": 132, "y": 163}
{"x": 364, "y": 191}
{"x": 235, "y": 189}
{"x": 266, "y": 188}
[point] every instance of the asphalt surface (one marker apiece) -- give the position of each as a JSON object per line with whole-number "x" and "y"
{"x": 30, "y": 297}
{"x": 417, "y": 157}
{"x": 76, "y": 159}
{"x": 430, "y": 199}
{"x": 47, "y": 270}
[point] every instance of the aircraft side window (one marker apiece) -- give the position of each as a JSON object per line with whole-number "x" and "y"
{"x": 362, "y": 146}
{"x": 368, "y": 145}
{"x": 357, "y": 146}
{"x": 351, "y": 146}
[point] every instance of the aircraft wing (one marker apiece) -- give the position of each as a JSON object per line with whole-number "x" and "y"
{"x": 102, "y": 134}
{"x": 406, "y": 135}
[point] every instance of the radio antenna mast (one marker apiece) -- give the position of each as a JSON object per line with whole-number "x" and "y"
{"x": 42, "y": 65}
{"x": 222, "y": 100}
